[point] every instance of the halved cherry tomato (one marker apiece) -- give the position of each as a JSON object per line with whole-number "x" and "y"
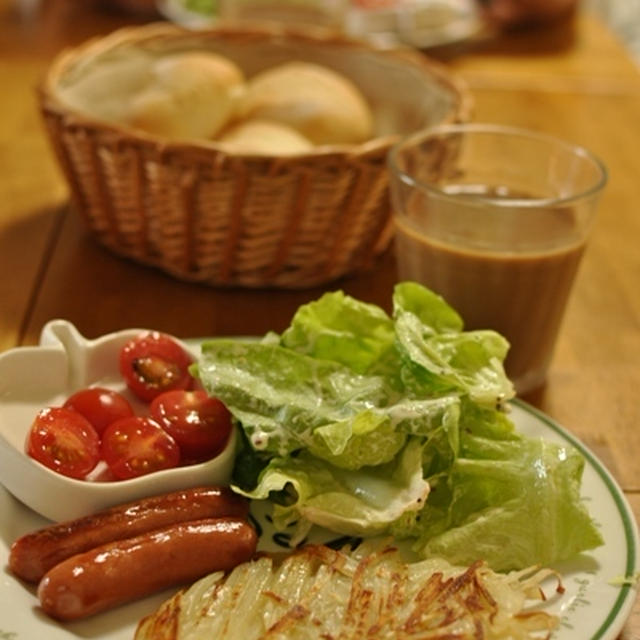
{"x": 133, "y": 447}
{"x": 99, "y": 406}
{"x": 153, "y": 363}
{"x": 64, "y": 440}
{"x": 198, "y": 423}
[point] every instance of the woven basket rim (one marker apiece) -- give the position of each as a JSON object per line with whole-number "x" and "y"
{"x": 97, "y": 45}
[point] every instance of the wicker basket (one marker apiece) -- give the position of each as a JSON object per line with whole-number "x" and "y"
{"x": 203, "y": 214}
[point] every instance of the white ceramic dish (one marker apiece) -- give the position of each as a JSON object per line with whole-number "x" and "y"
{"x": 594, "y": 606}
{"x": 423, "y": 23}
{"x": 32, "y": 378}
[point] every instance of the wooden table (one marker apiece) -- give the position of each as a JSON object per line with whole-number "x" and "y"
{"x": 574, "y": 80}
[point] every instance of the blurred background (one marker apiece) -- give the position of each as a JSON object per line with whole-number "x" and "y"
{"x": 623, "y": 16}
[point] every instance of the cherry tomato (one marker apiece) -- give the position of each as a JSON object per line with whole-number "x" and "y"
{"x": 65, "y": 441}
{"x": 198, "y": 423}
{"x": 152, "y": 363}
{"x": 99, "y": 406}
{"x": 133, "y": 447}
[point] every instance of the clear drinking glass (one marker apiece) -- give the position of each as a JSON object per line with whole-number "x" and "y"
{"x": 495, "y": 219}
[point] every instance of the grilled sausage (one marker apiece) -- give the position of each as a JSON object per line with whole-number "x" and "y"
{"x": 129, "y": 569}
{"x": 32, "y": 555}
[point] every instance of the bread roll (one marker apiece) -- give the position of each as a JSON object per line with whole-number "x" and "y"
{"x": 191, "y": 96}
{"x": 265, "y": 137}
{"x": 323, "y": 105}
{"x": 104, "y": 90}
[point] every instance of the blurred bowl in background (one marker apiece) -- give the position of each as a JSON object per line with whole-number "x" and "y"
{"x": 420, "y": 23}
{"x": 202, "y": 14}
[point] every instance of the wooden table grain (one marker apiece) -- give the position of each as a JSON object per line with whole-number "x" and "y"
{"x": 574, "y": 80}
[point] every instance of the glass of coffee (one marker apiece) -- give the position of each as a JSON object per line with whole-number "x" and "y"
{"x": 495, "y": 219}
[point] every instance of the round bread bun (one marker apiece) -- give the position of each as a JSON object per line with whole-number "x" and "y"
{"x": 106, "y": 91}
{"x": 191, "y": 95}
{"x": 265, "y": 137}
{"x": 320, "y": 103}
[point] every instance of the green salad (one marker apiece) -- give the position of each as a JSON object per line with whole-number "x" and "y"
{"x": 206, "y": 7}
{"x": 368, "y": 424}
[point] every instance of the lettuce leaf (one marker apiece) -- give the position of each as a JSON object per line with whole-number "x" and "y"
{"x": 351, "y": 502}
{"x": 442, "y": 356}
{"x": 341, "y": 329}
{"x": 524, "y": 503}
{"x": 352, "y": 418}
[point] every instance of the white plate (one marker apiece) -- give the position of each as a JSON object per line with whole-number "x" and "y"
{"x": 593, "y": 605}
{"x": 422, "y": 23}
{"x": 419, "y": 23}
